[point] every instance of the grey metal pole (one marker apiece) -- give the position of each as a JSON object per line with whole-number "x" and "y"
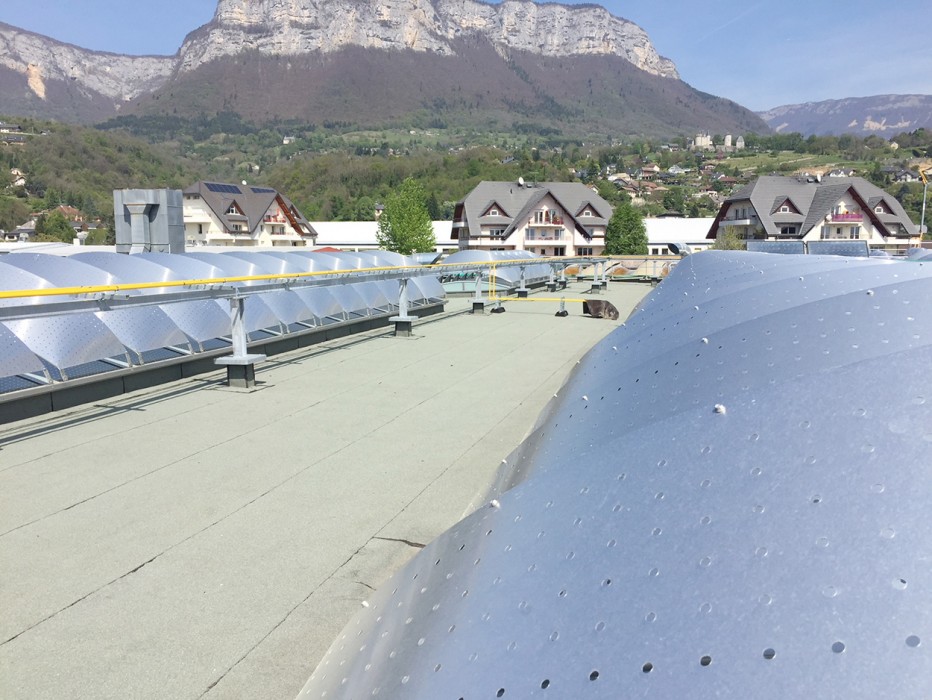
{"x": 522, "y": 290}
{"x": 478, "y": 305}
{"x": 238, "y": 335}
{"x": 241, "y": 366}
{"x": 403, "y": 322}
{"x": 922, "y": 220}
{"x": 403, "y": 298}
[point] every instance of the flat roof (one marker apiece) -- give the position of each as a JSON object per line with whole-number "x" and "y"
{"x": 195, "y": 540}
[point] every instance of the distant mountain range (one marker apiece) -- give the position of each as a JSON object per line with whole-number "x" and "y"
{"x": 883, "y": 115}
{"x": 574, "y": 69}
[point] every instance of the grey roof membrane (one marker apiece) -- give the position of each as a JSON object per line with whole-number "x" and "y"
{"x": 729, "y": 498}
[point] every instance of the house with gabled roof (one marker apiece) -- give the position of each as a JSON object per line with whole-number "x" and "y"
{"x": 218, "y": 213}
{"x": 547, "y": 218}
{"x": 786, "y": 208}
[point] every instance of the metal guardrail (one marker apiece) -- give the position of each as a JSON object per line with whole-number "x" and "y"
{"x": 26, "y": 304}
{"x": 109, "y": 296}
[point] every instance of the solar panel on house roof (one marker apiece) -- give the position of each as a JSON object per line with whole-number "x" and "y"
{"x": 218, "y": 187}
{"x": 262, "y": 190}
{"x": 784, "y": 247}
{"x": 854, "y": 249}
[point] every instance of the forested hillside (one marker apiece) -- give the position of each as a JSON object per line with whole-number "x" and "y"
{"x": 335, "y": 174}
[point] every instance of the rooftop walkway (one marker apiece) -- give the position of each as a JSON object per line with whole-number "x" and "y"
{"x": 198, "y": 541}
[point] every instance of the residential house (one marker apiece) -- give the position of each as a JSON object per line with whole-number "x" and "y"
{"x": 72, "y": 214}
{"x": 647, "y": 172}
{"x": 548, "y": 218}
{"x": 217, "y": 213}
{"x": 786, "y": 208}
{"x": 906, "y": 176}
{"x": 6, "y": 128}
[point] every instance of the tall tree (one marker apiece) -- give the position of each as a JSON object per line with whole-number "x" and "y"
{"x": 405, "y": 226}
{"x": 626, "y": 233}
{"x": 54, "y": 227}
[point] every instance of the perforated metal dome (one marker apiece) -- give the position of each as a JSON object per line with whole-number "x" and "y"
{"x": 729, "y": 498}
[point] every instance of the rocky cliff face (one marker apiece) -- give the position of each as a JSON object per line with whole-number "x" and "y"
{"x": 441, "y": 55}
{"x": 42, "y": 62}
{"x": 294, "y": 27}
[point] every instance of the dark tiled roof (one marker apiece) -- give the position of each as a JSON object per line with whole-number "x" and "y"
{"x": 523, "y": 199}
{"x": 253, "y": 202}
{"x": 814, "y": 199}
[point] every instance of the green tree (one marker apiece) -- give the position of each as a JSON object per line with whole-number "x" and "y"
{"x": 626, "y": 233}
{"x": 608, "y": 192}
{"x": 405, "y": 226}
{"x": 364, "y": 209}
{"x": 13, "y": 212}
{"x": 433, "y": 207}
{"x": 674, "y": 199}
{"x": 728, "y": 239}
{"x": 54, "y": 227}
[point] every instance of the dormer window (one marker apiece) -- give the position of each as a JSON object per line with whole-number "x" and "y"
{"x": 493, "y": 212}
{"x": 587, "y": 212}
{"x": 784, "y": 209}
{"x": 879, "y": 209}
{"x": 232, "y": 209}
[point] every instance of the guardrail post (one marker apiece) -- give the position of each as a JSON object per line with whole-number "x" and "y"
{"x": 478, "y": 306}
{"x": 241, "y": 366}
{"x": 562, "y": 277}
{"x": 596, "y": 284}
{"x": 562, "y": 313}
{"x": 403, "y": 321}
{"x": 552, "y": 284}
{"x": 522, "y": 290}
{"x": 605, "y": 275}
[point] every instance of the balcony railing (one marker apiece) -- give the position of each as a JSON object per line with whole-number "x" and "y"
{"x": 548, "y": 221}
{"x": 848, "y": 216}
{"x": 546, "y": 235}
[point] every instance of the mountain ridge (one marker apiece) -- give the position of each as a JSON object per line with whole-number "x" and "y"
{"x": 882, "y": 115}
{"x": 304, "y": 45}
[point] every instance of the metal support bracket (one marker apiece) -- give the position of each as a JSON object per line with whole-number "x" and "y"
{"x": 403, "y": 321}
{"x": 241, "y": 366}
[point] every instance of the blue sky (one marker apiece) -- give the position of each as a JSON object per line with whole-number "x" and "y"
{"x": 760, "y": 54}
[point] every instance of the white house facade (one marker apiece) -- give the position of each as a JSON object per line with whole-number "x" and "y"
{"x": 549, "y": 219}
{"x": 785, "y": 208}
{"x": 221, "y": 214}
